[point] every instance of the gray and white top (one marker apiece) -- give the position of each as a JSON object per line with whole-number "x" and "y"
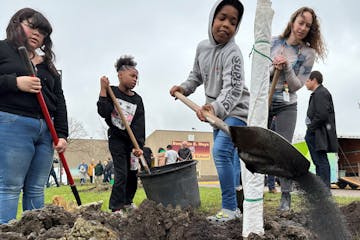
{"x": 220, "y": 68}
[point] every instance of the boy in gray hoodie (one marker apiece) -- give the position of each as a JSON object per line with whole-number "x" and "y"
{"x": 219, "y": 67}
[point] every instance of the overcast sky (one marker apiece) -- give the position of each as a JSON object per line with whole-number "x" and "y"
{"x": 162, "y": 35}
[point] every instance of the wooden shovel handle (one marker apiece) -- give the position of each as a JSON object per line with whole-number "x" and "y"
{"x": 273, "y": 85}
{"x": 128, "y": 129}
{"x": 209, "y": 117}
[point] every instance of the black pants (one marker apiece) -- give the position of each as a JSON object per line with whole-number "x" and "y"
{"x": 125, "y": 184}
{"x": 319, "y": 158}
{"x": 283, "y": 121}
{"x": 107, "y": 177}
{"x": 53, "y": 174}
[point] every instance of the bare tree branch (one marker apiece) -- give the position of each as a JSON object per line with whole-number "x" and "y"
{"x": 103, "y": 131}
{"x": 76, "y": 130}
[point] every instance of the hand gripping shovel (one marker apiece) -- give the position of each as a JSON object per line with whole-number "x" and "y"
{"x": 262, "y": 150}
{"x": 24, "y": 55}
{"x": 273, "y": 85}
{"x": 128, "y": 129}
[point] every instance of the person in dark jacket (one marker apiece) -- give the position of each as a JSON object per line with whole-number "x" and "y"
{"x": 26, "y": 146}
{"x": 108, "y": 170}
{"x": 148, "y": 155}
{"x": 184, "y": 152}
{"x": 321, "y": 135}
{"x": 99, "y": 170}
{"x": 120, "y": 144}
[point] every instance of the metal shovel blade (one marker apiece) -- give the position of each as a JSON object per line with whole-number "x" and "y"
{"x": 265, "y": 151}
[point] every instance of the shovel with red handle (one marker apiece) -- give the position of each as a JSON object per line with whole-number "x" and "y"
{"x": 24, "y": 55}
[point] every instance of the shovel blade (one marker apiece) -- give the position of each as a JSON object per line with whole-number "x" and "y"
{"x": 265, "y": 151}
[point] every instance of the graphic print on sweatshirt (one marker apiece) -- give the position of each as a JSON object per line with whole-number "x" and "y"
{"x": 128, "y": 110}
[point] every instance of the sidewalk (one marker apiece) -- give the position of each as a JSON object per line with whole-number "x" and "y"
{"x": 335, "y": 191}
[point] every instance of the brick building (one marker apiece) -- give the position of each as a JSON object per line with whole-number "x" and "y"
{"x": 199, "y": 142}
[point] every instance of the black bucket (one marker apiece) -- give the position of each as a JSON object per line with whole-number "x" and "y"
{"x": 174, "y": 184}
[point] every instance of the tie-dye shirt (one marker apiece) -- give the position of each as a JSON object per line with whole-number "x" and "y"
{"x": 301, "y": 60}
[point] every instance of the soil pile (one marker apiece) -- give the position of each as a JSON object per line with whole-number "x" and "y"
{"x": 326, "y": 218}
{"x": 154, "y": 221}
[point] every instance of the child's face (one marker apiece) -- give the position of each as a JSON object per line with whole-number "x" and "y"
{"x": 224, "y": 25}
{"x": 128, "y": 78}
{"x": 35, "y": 37}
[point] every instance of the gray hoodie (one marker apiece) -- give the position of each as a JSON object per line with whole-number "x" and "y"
{"x": 220, "y": 68}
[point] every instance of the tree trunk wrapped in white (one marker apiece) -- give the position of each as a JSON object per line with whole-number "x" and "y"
{"x": 253, "y": 184}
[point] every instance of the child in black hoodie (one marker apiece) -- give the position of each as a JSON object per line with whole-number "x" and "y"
{"x": 120, "y": 144}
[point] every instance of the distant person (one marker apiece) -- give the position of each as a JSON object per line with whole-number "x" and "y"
{"x": 111, "y": 168}
{"x": 161, "y": 157}
{"x": 271, "y": 183}
{"x": 90, "y": 170}
{"x": 294, "y": 53}
{"x": 120, "y": 144}
{"x": 53, "y": 175}
{"x": 99, "y": 170}
{"x": 184, "y": 152}
{"x": 26, "y": 146}
{"x": 107, "y": 172}
{"x": 321, "y": 135}
{"x": 148, "y": 155}
{"x": 171, "y": 156}
{"x": 83, "y": 167}
{"x": 219, "y": 66}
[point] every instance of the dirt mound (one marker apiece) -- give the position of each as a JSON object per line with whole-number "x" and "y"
{"x": 154, "y": 221}
{"x": 351, "y": 213}
{"x": 98, "y": 188}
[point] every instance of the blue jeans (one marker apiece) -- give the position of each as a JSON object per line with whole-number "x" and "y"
{"x": 26, "y": 154}
{"x": 227, "y": 164}
{"x": 271, "y": 182}
{"x": 319, "y": 158}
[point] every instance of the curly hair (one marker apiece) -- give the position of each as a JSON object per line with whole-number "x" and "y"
{"x": 125, "y": 62}
{"x": 16, "y": 35}
{"x": 313, "y": 38}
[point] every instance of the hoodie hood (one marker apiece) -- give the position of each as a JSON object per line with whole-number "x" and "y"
{"x": 211, "y": 19}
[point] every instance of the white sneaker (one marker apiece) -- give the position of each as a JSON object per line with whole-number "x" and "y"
{"x": 130, "y": 207}
{"x": 238, "y": 213}
{"x": 224, "y": 215}
{"x": 122, "y": 213}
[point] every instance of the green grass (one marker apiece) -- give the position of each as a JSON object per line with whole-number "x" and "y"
{"x": 272, "y": 201}
{"x": 346, "y": 200}
{"x": 210, "y": 198}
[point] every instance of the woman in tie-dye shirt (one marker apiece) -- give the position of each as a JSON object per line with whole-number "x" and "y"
{"x": 293, "y": 53}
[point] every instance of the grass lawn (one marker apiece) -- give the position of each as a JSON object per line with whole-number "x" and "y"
{"x": 210, "y": 198}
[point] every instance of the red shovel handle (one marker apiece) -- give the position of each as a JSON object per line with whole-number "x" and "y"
{"x": 54, "y": 136}
{"x": 24, "y": 54}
